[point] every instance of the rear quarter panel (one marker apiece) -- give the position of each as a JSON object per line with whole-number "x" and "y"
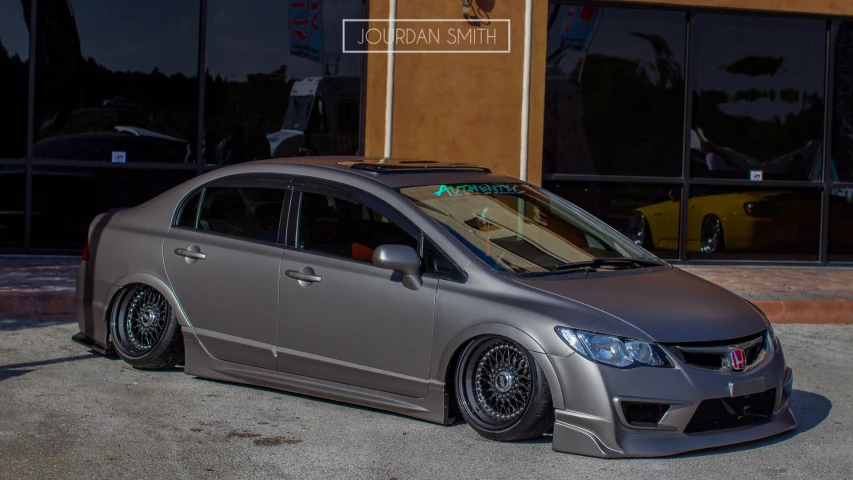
{"x": 122, "y": 245}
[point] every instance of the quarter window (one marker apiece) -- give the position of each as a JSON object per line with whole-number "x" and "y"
{"x": 346, "y": 228}
{"x": 247, "y": 212}
{"x": 188, "y": 215}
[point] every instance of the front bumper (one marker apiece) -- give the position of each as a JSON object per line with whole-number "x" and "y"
{"x": 595, "y": 424}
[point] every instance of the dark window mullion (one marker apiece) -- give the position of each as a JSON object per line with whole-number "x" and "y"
{"x": 689, "y": 52}
{"x": 823, "y": 254}
{"x": 31, "y": 96}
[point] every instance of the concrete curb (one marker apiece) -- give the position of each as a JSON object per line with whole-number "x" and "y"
{"x": 16, "y": 304}
{"x": 19, "y": 304}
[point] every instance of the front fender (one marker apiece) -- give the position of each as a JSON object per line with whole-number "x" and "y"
{"x": 512, "y": 333}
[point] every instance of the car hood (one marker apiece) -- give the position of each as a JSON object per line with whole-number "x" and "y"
{"x": 667, "y": 304}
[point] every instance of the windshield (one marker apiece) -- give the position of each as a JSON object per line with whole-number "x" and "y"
{"x": 519, "y": 228}
{"x": 296, "y": 116}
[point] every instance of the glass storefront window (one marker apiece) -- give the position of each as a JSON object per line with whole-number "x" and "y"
{"x": 116, "y": 81}
{"x": 758, "y": 97}
{"x": 841, "y": 224}
{"x": 14, "y": 74}
{"x": 842, "y": 108}
{"x": 12, "y": 199}
{"x": 614, "y": 91}
{"x": 66, "y": 200}
{"x": 264, "y": 101}
{"x": 647, "y": 214}
{"x": 741, "y": 223}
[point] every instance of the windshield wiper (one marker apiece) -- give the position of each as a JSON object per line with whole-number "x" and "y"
{"x": 601, "y": 261}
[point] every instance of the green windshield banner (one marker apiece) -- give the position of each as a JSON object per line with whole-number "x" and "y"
{"x": 478, "y": 189}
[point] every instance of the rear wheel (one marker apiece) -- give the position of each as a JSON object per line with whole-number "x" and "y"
{"x": 145, "y": 331}
{"x": 502, "y": 392}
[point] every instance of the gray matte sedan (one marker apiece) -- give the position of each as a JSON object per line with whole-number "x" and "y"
{"x": 433, "y": 290}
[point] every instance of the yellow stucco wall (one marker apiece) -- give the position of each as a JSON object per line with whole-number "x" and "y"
{"x": 460, "y": 107}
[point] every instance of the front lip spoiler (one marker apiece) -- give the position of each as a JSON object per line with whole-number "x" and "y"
{"x": 583, "y": 434}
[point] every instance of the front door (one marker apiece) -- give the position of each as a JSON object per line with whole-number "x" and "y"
{"x": 223, "y": 266}
{"x": 352, "y": 322}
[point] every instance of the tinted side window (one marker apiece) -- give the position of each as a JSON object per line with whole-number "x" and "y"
{"x": 345, "y": 228}
{"x": 247, "y": 212}
{"x": 188, "y": 215}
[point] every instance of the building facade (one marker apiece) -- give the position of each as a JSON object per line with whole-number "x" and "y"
{"x": 705, "y": 130}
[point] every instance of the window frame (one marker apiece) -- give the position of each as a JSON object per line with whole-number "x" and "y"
{"x": 346, "y": 192}
{"x": 251, "y": 180}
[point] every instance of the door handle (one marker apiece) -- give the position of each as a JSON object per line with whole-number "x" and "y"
{"x": 303, "y": 277}
{"x": 191, "y": 254}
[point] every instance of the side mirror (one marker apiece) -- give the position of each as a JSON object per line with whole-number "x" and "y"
{"x": 403, "y": 259}
{"x": 672, "y": 196}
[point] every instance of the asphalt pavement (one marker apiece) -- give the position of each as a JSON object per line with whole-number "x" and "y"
{"x": 68, "y": 413}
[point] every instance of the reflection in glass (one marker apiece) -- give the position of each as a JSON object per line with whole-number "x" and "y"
{"x": 614, "y": 92}
{"x": 753, "y": 224}
{"x": 520, "y": 229}
{"x": 66, "y": 200}
{"x": 842, "y": 108}
{"x": 264, "y": 101}
{"x": 115, "y": 82}
{"x": 14, "y": 72}
{"x": 758, "y": 102}
{"x": 841, "y": 225}
{"x": 12, "y": 199}
{"x": 648, "y": 214}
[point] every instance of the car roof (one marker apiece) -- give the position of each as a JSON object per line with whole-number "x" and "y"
{"x": 400, "y": 172}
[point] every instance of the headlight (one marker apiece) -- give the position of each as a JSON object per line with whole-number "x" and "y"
{"x": 614, "y": 351}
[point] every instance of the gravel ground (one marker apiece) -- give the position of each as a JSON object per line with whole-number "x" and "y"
{"x": 67, "y": 413}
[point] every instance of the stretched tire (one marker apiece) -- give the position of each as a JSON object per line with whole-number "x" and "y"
{"x": 144, "y": 330}
{"x": 501, "y": 391}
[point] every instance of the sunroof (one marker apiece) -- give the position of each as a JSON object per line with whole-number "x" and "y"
{"x": 409, "y": 166}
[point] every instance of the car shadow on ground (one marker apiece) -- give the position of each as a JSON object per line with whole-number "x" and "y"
{"x": 810, "y": 410}
{"x": 18, "y": 369}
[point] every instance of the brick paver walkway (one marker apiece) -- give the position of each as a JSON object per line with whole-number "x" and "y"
{"x": 788, "y": 283}
{"x": 38, "y": 273}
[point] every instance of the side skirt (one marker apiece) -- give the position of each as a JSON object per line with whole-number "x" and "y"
{"x": 432, "y": 408}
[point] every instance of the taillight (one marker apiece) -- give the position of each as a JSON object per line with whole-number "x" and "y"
{"x": 86, "y": 249}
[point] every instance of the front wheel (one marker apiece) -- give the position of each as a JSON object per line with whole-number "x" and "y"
{"x": 501, "y": 391}
{"x": 145, "y": 331}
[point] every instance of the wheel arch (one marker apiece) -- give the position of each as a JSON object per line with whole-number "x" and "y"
{"x": 154, "y": 282}
{"x": 446, "y": 369}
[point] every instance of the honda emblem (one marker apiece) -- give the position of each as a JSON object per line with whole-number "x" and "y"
{"x": 738, "y": 357}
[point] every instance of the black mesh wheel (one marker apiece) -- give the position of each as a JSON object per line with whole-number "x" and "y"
{"x": 501, "y": 391}
{"x": 144, "y": 330}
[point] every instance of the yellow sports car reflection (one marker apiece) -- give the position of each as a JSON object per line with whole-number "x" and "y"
{"x": 730, "y": 221}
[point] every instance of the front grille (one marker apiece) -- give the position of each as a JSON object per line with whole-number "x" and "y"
{"x": 716, "y": 355}
{"x": 724, "y": 413}
{"x": 643, "y": 414}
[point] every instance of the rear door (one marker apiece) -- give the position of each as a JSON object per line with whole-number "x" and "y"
{"x": 355, "y": 323}
{"x": 222, "y": 257}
